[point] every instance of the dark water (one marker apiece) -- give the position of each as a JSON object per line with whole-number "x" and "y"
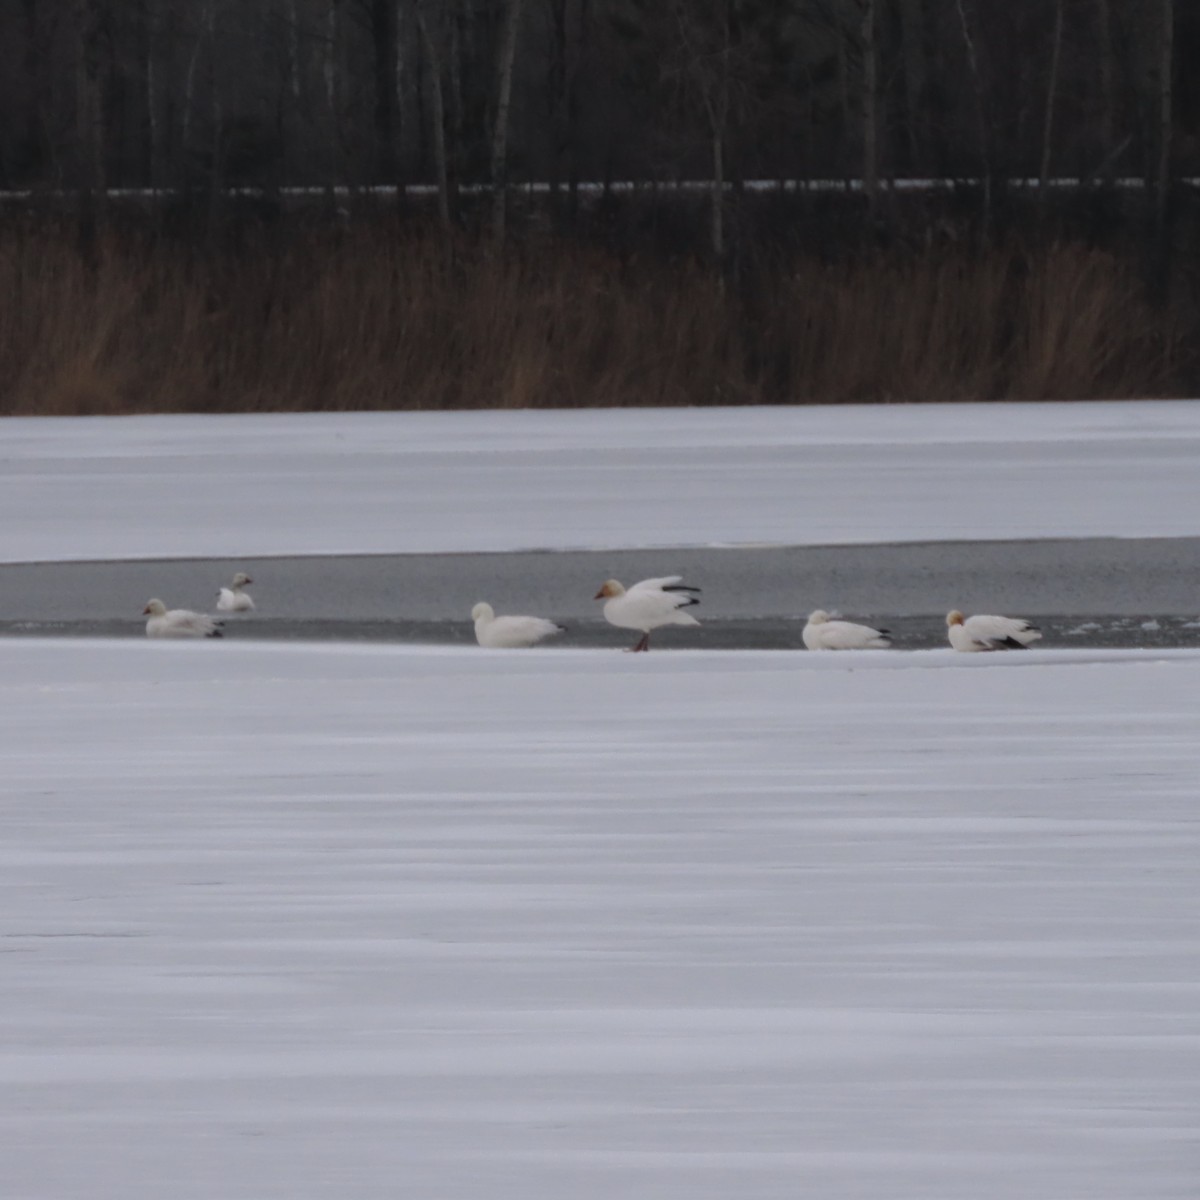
{"x": 1086, "y": 592}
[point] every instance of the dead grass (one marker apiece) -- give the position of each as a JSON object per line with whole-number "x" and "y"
{"x": 367, "y": 318}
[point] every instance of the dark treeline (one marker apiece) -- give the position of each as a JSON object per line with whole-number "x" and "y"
{"x": 204, "y": 94}
{"x": 1010, "y": 287}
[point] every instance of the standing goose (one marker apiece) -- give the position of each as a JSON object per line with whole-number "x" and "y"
{"x": 983, "y": 632}
{"x": 178, "y": 622}
{"x": 824, "y": 633}
{"x": 648, "y": 605}
{"x": 233, "y": 599}
{"x": 509, "y": 633}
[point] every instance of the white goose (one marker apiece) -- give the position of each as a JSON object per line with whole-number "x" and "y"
{"x": 233, "y": 599}
{"x": 178, "y": 622}
{"x": 648, "y": 605}
{"x": 507, "y": 633}
{"x": 824, "y": 633}
{"x": 983, "y": 632}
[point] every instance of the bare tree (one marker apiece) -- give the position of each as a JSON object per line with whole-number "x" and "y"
{"x": 89, "y": 126}
{"x": 569, "y": 22}
{"x": 1162, "y": 171}
{"x": 145, "y": 16}
{"x": 505, "y": 60}
{"x": 705, "y": 36}
{"x": 981, "y": 115}
{"x": 1108, "y": 99}
{"x": 1166, "y": 108}
{"x": 437, "y": 116}
{"x": 202, "y": 39}
{"x": 870, "y": 103}
{"x": 912, "y": 35}
{"x": 292, "y": 17}
{"x": 384, "y": 34}
{"x": 1051, "y": 96}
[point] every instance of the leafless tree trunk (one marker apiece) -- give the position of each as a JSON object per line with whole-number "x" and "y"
{"x": 329, "y": 61}
{"x": 293, "y": 50}
{"x": 189, "y": 90}
{"x": 556, "y": 88}
{"x": 985, "y": 150}
{"x": 1162, "y": 171}
{"x": 573, "y": 102}
{"x": 1166, "y": 111}
{"x": 216, "y": 170}
{"x": 398, "y": 77}
{"x": 912, "y": 34}
{"x": 1051, "y": 97}
{"x": 203, "y": 37}
{"x": 151, "y": 164}
{"x": 569, "y": 27}
{"x": 455, "y": 51}
{"x": 504, "y": 78}
{"x": 1108, "y": 117}
{"x": 331, "y": 71}
{"x": 718, "y": 115}
{"x": 707, "y": 51}
{"x": 870, "y": 105}
{"x": 386, "y": 114}
{"x": 716, "y": 225}
{"x": 843, "y": 73}
{"x": 437, "y": 115}
{"x": 89, "y": 127}
{"x": 33, "y": 63}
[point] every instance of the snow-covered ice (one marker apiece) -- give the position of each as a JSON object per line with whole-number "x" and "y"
{"x": 279, "y": 484}
{"x": 297, "y": 922}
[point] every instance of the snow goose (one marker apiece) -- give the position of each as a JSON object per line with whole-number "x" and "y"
{"x": 509, "y": 633}
{"x": 648, "y": 605}
{"x": 824, "y": 633}
{"x": 232, "y": 598}
{"x": 985, "y": 632}
{"x": 178, "y": 622}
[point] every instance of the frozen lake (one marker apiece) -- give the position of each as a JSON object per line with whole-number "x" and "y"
{"x": 299, "y": 922}
{"x": 395, "y": 483}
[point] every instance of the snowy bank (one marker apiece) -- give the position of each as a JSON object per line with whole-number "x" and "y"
{"x": 278, "y": 484}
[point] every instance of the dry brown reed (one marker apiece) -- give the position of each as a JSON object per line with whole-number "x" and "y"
{"x": 370, "y": 318}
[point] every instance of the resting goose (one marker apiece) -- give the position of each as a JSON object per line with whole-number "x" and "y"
{"x": 508, "y": 633}
{"x": 178, "y": 622}
{"x": 824, "y": 633}
{"x": 233, "y": 599}
{"x": 983, "y": 632}
{"x": 648, "y": 605}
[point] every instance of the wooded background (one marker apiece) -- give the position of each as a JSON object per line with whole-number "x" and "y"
{"x": 1001, "y": 159}
{"x": 208, "y": 94}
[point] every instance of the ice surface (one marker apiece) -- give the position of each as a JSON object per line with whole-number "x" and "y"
{"x": 214, "y": 486}
{"x": 296, "y": 922}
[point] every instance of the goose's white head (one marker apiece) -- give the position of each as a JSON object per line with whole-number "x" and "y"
{"x": 818, "y": 616}
{"x": 482, "y": 612}
{"x": 155, "y": 608}
{"x": 240, "y": 580}
{"x": 610, "y": 590}
{"x": 954, "y": 618}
